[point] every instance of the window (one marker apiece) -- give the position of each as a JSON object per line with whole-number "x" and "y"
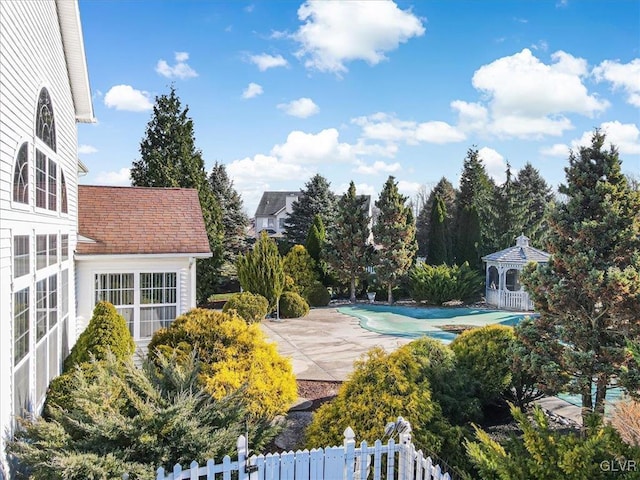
{"x": 53, "y": 249}
{"x": 117, "y": 289}
{"x": 46, "y": 182}
{"x": 281, "y": 223}
{"x": 52, "y": 185}
{"x": 41, "y": 251}
{"x": 45, "y": 122}
{"x": 64, "y": 208}
{"x": 64, "y": 248}
{"x": 512, "y": 280}
{"x": 64, "y": 313}
{"x": 271, "y": 222}
{"x": 20, "y": 325}
{"x": 158, "y": 294}
{"x": 21, "y": 257}
{"x": 21, "y": 176}
{"x": 41, "y": 309}
{"x": 47, "y": 360}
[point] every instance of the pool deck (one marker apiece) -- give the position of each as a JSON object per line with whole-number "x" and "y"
{"x": 324, "y": 344}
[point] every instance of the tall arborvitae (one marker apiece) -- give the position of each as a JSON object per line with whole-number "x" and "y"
{"x": 394, "y": 235}
{"x": 438, "y": 251}
{"x": 588, "y": 295}
{"x": 347, "y": 248}
{"x": 473, "y": 211}
{"x": 314, "y": 243}
{"x": 533, "y": 194}
{"x": 508, "y": 214}
{"x": 316, "y": 199}
{"x": 234, "y": 219}
{"x": 445, "y": 190}
{"x": 169, "y": 158}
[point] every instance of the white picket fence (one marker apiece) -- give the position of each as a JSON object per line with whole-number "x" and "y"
{"x": 390, "y": 461}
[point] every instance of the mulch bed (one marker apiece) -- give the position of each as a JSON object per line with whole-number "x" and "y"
{"x": 318, "y": 392}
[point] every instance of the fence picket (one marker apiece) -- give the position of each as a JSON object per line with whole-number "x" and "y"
{"x": 177, "y": 472}
{"x": 287, "y": 466}
{"x": 226, "y": 468}
{"x": 362, "y": 462}
{"x": 377, "y": 459}
{"x": 317, "y": 464}
{"x": 302, "y": 465}
{"x": 160, "y": 474}
{"x": 259, "y": 462}
{"x": 391, "y": 457}
{"x": 272, "y": 466}
{"x": 419, "y": 460}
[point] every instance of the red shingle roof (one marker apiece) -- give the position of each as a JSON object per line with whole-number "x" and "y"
{"x": 138, "y": 220}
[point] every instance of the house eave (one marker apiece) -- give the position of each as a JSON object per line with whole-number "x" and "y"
{"x": 88, "y": 257}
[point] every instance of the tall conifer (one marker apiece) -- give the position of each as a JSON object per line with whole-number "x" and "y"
{"x": 438, "y": 253}
{"x": 316, "y": 199}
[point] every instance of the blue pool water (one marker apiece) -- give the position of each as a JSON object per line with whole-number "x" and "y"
{"x": 414, "y": 322}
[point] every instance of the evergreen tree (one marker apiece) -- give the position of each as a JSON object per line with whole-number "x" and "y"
{"x": 473, "y": 229}
{"x": 169, "y": 158}
{"x": 300, "y": 268}
{"x": 438, "y": 252}
{"x": 314, "y": 244}
{"x": 234, "y": 219}
{"x": 394, "y": 235}
{"x": 444, "y": 189}
{"x": 588, "y": 295}
{"x": 260, "y": 270}
{"x": 508, "y": 214}
{"x": 347, "y": 247}
{"x": 533, "y": 194}
{"x": 316, "y": 199}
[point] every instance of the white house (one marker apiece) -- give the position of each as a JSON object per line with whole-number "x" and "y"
{"x": 137, "y": 250}
{"x": 272, "y": 212}
{"x": 44, "y": 91}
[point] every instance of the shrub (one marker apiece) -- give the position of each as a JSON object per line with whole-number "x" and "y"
{"x": 299, "y": 265}
{"x": 442, "y": 283}
{"x": 234, "y": 355}
{"x": 107, "y": 331}
{"x": 293, "y": 305}
{"x": 483, "y": 354}
{"x": 317, "y": 295}
{"x": 121, "y": 418}
{"x": 251, "y": 307}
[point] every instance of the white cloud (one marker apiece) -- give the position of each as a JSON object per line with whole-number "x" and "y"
{"x": 528, "y": 98}
{"x": 263, "y": 167}
{"x": 438, "y": 132}
{"x": 334, "y": 33}
{"x": 305, "y": 148}
{"x": 265, "y": 61}
{"x": 625, "y": 76}
{"x": 252, "y": 90}
{"x": 556, "y": 150}
{"x": 301, "y": 108}
{"x": 471, "y": 116}
{"x": 180, "y": 70}
{"x": 249, "y": 8}
{"x": 625, "y": 136}
{"x": 494, "y": 163}
{"x": 120, "y": 177}
{"x": 376, "y": 167}
{"x": 408, "y": 188}
{"x": 87, "y": 149}
{"x": 388, "y": 128}
{"x": 361, "y": 189}
{"x": 125, "y": 97}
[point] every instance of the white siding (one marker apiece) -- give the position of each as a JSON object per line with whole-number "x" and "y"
{"x": 31, "y": 57}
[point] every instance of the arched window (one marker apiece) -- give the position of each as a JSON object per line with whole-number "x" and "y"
{"x": 45, "y": 123}
{"x": 494, "y": 278}
{"x": 21, "y": 176}
{"x": 63, "y": 193}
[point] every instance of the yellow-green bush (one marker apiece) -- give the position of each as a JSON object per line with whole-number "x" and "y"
{"x": 252, "y": 307}
{"x": 293, "y": 305}
{"x": 234, "y": 355}
{"x": 299, "y": 265}
{"x": 317, "y": 295}
{"x": 107, "y": 331}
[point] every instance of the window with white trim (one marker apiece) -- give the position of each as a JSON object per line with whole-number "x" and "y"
{"x": 64, "y": 314}
{"x": 64, "y": 247}
{"x": 47, "y": 360}
{"x": 53, "y": 249}
{"x": 21, "y": 176}
{"x": 158, "y": 299}
{"x": 117, "y": 289}
{"x": 45, "y": 121}
{"x": 64, "y": 208}
{"x": 46, "y": 182}
{"x": 21, "y": 257}
{"x": 20, "y": 352}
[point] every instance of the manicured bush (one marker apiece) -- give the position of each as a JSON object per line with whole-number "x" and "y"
{"x": 293, "y": 305}
{"x": 252, "y": 307}
{"x": 483, "y": 354}
{"x": 234, "y": 355}
{"x": 442, "y": 283}
{"x": 299, "y": 265}
{"x": 107, "y": 331}
{"x": 317, "y": 295}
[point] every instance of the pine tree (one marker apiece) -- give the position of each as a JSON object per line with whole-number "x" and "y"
{"x": 588, "y": 295}
{"x": 316, "y": 199}
{"x": 394, "y": 235}
{"x": 533, "y": 194}
{"x": 445, "y": 190}
{"x": 315, "y": 243}
{"x": 473, "y": 211}
{"x": 508, "y": 214}
{"x": 234, "y": 219}
{"x": 437, "y": 252}
{"x": 260, "y": 270}
{"x": 347, "y": 247}
{"x": 169, "y": 158}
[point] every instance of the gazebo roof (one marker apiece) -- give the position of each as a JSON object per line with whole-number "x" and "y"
{"x": 520, "y": 253}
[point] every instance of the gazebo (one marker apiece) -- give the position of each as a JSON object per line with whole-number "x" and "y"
{"x": 503, "y": 288}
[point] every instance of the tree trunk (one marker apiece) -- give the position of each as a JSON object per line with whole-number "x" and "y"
{"x": 389, "y": 293}
{"x": 587, "y": 405}
{"x": 601, "y": 393}
{"x": 352, "y": 296}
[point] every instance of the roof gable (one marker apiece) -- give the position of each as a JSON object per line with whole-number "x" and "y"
{"x": 273, "y": 202}
{"x": 138, "y": 220}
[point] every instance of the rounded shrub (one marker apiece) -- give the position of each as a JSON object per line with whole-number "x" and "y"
{"x": 234, "y": 355}
{"x": 293, "y": 305}
{"x": 107, "y": 331}
{"x": 252, "y": 307}
{"x": 443, "y": 283}
{"x": 317, "y": 295}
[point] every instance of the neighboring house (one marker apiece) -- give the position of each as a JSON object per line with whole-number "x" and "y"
{"x": 137, "y": 249}
{"x": 272, "y": 212}
{"x": 275, "y": 207}
{"x": 44, "y": 91}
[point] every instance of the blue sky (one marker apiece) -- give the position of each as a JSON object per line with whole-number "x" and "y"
{"x": 357, "y": 91}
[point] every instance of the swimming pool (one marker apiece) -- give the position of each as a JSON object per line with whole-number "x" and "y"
{"x": 415, "y": 322}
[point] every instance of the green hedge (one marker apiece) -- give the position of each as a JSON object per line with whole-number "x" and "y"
{"x": 317, "y": 295}
{"x": 251, "y": 307}
{"x": 442, "y": 283}
{"x": 293, "y": 305}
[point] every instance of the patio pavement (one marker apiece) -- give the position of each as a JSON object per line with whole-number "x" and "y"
{"x": 324, "y": 344}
